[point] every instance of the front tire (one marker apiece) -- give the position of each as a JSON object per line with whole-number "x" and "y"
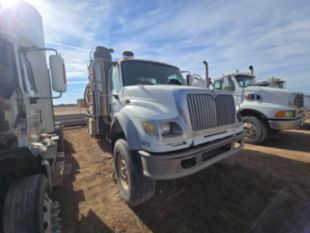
{"x": 28, "y": 207}
{"x": 135, "y": 188}
{"x": 256, "y": 131}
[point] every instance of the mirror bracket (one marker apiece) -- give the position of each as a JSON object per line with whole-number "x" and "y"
{"x": 33, "y": 100}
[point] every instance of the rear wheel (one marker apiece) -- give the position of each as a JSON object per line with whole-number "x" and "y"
{"x": 255, "y": 130}
{"x": 28, "y": 207}
{"x": 135, "y": 188}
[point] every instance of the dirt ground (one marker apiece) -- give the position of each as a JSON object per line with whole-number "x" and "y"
{"x": 262, "y": 189}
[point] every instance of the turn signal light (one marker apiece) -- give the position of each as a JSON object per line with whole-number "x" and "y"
{"x": 285, "y": 114}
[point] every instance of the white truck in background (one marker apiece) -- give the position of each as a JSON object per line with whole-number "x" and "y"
{"x": 31, "y": 145}
{"x": 159, "y": 127}
{"x": 265, "y": 110}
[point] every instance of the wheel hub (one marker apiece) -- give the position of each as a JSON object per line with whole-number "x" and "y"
{"x": 250, "y": 130}
{"x": 123, "y": 174}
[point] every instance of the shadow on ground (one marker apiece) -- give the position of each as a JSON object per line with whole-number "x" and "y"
{"x": 307, "y": 125}
{"x": 290, "y": 140}
{"x": 72, "y": 222}
{"x": 104, "y": 145}
{"x": 249, "y": 192}
{"x": 227, "y": 197}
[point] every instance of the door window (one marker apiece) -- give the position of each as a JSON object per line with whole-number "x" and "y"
{"x": 228, "y": 84}
{"x": 27, "y": 75}
{"x": 116, "y": 82}
{"x": 218, "y": 84}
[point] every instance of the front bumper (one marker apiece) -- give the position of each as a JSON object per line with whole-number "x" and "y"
{"x": 189, "y": 161}
{"x": 286, "y": 124}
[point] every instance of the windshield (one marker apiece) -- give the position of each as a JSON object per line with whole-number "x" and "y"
{"x": 8, "y": 80}
{"x": 244, "y": 80}
{"x": 149, "y": 73}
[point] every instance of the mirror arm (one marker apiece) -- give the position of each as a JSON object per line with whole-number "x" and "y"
{"x": 30, "y": 50}
{"x": 34, "y": 99}
{"x": 116, "y": 96}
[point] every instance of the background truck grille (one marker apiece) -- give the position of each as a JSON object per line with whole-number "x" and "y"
{"x": 207, "y": 112}
{"x": 299, "y": 101}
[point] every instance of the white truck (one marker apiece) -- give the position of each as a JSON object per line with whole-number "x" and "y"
{"x": 265, "y": 110}
{"x": 31, "y": 145}
{"x": 159, "y": 128}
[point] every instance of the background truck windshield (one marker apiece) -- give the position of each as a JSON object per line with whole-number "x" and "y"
{"x": 8, "y": 79}
{"x": 244, "y": 80}
{"x": 149, "y": 73}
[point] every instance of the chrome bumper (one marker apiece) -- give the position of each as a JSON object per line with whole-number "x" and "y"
{"x": 286, "y": 124}
{"x": 189, "y": 161}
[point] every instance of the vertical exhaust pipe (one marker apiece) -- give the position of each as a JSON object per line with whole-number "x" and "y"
{"x": 208, "y": 81}
{"x": 251, "y": 68}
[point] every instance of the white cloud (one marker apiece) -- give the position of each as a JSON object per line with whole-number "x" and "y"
{"x": 271, "y": 35}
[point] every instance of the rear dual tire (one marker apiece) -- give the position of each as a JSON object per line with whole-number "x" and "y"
{"x": 28, "y": 207}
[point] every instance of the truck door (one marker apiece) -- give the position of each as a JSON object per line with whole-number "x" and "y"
{"x": 226, "y": 84}
{"x": 33, "y": 111}
{"x": 116, "y": 89}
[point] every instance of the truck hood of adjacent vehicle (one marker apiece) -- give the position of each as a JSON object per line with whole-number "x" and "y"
{"x": 272, "y": 95}
{"x": 158, "y": 101}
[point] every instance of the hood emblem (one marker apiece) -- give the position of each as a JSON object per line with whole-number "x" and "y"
{"x": 213, "y": 95}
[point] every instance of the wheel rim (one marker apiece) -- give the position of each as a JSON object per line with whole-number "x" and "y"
{"x": 51, "y": 220}
{"x": 251, "y": 130}
{"x": 123, "y": 173}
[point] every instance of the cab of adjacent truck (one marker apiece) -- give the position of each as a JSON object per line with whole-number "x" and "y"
{"x": 264, "y": 109}
{"x": 25, "y": 86}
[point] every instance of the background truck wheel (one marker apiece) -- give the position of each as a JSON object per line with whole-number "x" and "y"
{"x": 28, "y": 207}
{"x": 255, "y": 130}
{"x": 135, "y": 188}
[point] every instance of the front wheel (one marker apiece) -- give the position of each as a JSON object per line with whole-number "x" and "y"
{"x": 135, "y": 188}
{"x": 28, "y": 207}
{"x": 255, "y": 130}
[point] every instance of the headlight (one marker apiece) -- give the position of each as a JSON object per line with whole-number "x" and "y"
{"x": 286, "y": 114}
{"x": 170, "y": 129}
{"x": 150, "y": 128}
{"x": 253, "y": 97}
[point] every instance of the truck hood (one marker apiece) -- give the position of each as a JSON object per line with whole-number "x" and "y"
{"x": 158, "y": 101}
{"x": 160, "y": 93}
{"x": 272, "y": 95}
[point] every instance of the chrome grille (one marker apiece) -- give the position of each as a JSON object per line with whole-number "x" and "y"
{"x": 209, "y": 112}
{"x": 299, "y": 100}
{"x": 225, "y": 110}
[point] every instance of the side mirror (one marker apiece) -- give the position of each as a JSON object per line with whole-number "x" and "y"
{"x": 58, "y": 73}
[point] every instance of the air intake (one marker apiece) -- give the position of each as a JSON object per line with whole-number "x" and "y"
{"x": 128, "y": 55}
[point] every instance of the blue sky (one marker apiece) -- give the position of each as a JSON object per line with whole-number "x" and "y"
{"x": 274, "y": 36}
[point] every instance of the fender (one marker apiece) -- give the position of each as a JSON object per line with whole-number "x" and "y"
{"x": 128, "y": 128}
{"x": 248, "y": 111}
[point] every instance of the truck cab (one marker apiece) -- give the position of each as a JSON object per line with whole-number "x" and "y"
{"x": 159, "y": 127}
{"x": 264, "y": 110}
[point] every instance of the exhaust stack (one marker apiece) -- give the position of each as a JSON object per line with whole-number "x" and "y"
{"x": 208, "y": 80}
{"x": 251, "y": 68}
{"x": 127, "y": 55}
